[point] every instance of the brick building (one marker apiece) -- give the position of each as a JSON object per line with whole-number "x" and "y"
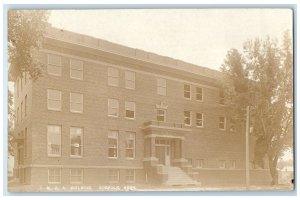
{"x": 105, "y": 114}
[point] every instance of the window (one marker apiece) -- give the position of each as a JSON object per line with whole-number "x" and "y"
{"x": 199, "y": 120}
{"x": 25, "y": 111}
{"x": 221, "y": 97}
{"x": 161, "y": 86}
{"x": 161, "y": 115}
{"x": 18, "y": 115}
{"x": 21, "y": 82}
{"x": 130, "y": 176}
{"x": 113, "y": 76}
{"x": 222, "y": 123}
{"x": 17, "y": 87}
{"x": 54, "y": 100}
{"x": 198, "y": 163}
{"x": 232, "y": 125}
{"x": 222, "y": 164}
{"x": 129, "y": 109}
{"x": 113, "y": 144}
{"x": 25, "y": 142}
{"x": 76, "y": 102}
{"x": 25, "y": 78}
{"x": 187, "y": 118}
{"x": 232, "y": 164}
{"x": 187, "y": 91}
{"x": 113, "y": 176}
{"x": 199, "y": 94}
{"x": 130, "y": 145}
{"x": 190, "y": 161}
{"x": 76, "y": 139}
{"x": 76, "y": 69}
{"x": 21, "y": 110}
{"x": 76, "y": 176}
{"x": 113, "y": 108}
{"x": 54, "y": 65}
{"x": 129, "y": 80}
{"x": 54, "y": 175}
{"x": 54, "y": 140}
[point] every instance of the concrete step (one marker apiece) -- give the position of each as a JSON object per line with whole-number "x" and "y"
{"x": 177, "y": 176}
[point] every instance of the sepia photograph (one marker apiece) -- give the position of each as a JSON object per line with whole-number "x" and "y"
{"x": 150, "y": 100}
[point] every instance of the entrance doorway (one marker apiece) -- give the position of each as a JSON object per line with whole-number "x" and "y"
{"x": 163, "y": 149}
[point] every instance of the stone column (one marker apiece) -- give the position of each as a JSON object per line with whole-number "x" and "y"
{"x": 153, "y": 147}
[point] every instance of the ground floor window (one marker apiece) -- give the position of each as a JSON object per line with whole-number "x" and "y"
{"x": 54, "y": 175}
{"x": 113, "y": 144}
{"x": 198, "y": 163}
{"x": 76, "y": 176}
{"x": 130, "y": 176}
{"x": 222, "y": 164}
{"x": 114, "y": 175}
{"x": 232, "y": 164}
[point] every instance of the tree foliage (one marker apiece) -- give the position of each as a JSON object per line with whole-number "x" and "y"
{"x": 25, "y": 36}
{"x": 262, "y": 77}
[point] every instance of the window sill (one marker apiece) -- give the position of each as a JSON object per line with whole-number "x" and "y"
{"x": 74, "y": 78}
{"x": 199, "y": 126}
{"x": 74, "y": 156}
{"x": 129, "y": 88}
{"x": 54, "y": 110}
{"x": 130, "y": 158}
{"x": 113, "y": 158}
{"x": 113, "y": 116}
{"x": 76, "y": 112}
{"x": 129, "y": 118}
{"x": 54, "y": 156}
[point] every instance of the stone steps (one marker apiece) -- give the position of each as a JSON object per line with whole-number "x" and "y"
{"x": 177, "y": 176}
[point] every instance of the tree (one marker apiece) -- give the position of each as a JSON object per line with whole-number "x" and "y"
{"x": 262, "y": 77}
{"x": 25, "y": 35}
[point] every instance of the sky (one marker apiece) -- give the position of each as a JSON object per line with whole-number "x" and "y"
{"x": 198, "y": 36}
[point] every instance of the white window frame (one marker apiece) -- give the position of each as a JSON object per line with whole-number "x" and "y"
{"x": 60, "y": 135}
{"x": 118, "y": 176}
{"x": 162, "y": 86}
{"x": 72, "y": 175}
{"x": 187, "y": 117}
{"x": 53, "y": 64}
{"x": 202, "y": 120}
{"x": 48, "y": 98}
{"x": 165, "y": 114}
{"x": 190, "y": 91}
{"x": 126, "y": 176}
{"x": 223, "y": 129}
{"x": 110, "y": 76}
{"x": 117, "y": 147}
{"x": 81, "y": 146}
{"x": 59, "y": 182}
{"x": 110, "y": 107}
{"x": 126, "y": 108}
{"x": 126, "y": 148}
{"x": 199, "y": 163}
{"x": 198, "y": 93}
{"x": 76, "y": 68}
{"x": 77, "y": 103}
{"x": 127, "y": 80}
{"x": 232, "y": 164}
{"x": 222, "y": 164}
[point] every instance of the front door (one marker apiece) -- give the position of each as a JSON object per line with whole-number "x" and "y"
{"x": 167, "y": 155}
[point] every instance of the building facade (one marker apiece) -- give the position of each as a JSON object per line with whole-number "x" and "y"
{"x": 105, "y": 114}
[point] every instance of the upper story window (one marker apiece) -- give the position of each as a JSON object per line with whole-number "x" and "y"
{"x": 129, "y": 109}
{"x": 113, "y": 77}
{"x": 130, "y": 80}
{"x": 187, "y": 91}
{"x": 76, "y": 69}
{"x": 113, "y": 144}
{"x": 161, "y": 86}
{"x": 161, "y": 115}
{"x": 187, "y": 118}
{"x": 76, "y": 102}
{"x": 222, "y": 123}
{"x": 130, "y": 145}
{"x": 199, "y": 94}
{"x": 54, "y": 66}
{"x": 54, "y": 140}
{"x": 113, "y": 107}
{"x": 76, "y": 140}
{"x": 54, "y": 99}
{"x": 221, "y": 97}
{"x": 76, "y": 176}
{"x": 54, "y": 175}
{"x": 199, "y": 120}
